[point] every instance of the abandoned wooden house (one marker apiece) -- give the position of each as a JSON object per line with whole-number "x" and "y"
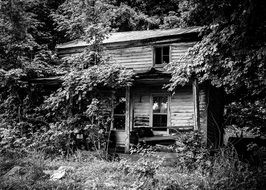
{"x": 146, "y": 103}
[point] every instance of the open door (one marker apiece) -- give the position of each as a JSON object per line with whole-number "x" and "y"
{"x": 119, "y": 117}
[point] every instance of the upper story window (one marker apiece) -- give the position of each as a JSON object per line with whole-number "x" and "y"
{"x": 162, "y": 55}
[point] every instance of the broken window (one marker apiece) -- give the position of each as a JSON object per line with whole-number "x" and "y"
{"x": 162, "y": 55}
{"x": 159, "y": 108}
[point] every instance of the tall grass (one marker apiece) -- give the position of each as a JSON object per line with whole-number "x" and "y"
{"x": 222, "y": 171}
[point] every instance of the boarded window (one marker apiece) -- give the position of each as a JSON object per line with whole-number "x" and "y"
{"x": 159, "y": 108}
{"x": 119, "y": 110}
{"x": 162, "y": 55}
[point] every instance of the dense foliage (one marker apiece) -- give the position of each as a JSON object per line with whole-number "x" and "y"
{"x": 231, "y": 55}
{"x": 39, "y": 116}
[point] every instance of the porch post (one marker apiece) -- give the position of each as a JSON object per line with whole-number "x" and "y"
{"x": 128, "y": 119}
{"x": 196, "y": 105}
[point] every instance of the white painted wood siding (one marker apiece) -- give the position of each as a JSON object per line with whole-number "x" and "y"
{"x": 178, "y": 50}
{"x": 136, "y": 58}
{"x": 182, "y": 108}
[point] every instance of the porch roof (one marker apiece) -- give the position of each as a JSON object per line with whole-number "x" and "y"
{"x": 138, "y": 75}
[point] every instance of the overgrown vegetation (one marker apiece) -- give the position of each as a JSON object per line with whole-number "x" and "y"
{"x": 230, "y": 55}
{"x": 34, "y": 117}
{"x": 148, "y": 171}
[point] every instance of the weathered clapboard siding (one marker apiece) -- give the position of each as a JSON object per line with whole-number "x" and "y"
{"x": 141, "y": 109}
{"x": 137, "y": 58}
{"x": 178, "y": 50}
{"x": 182, "y": 108}
{"x": 120, "y": 138}
{"x": 69, "y": 51}
{"x": 142, "y": 104}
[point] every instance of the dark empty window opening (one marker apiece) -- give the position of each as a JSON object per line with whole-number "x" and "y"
{"x": 162, "y": 55}
{"x": 159, "y": 116}
{"x": 119, "y": 111}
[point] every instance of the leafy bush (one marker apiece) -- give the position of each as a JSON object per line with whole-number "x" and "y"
{"x": 195, "y": 167}
{"x": 80, "y": 106}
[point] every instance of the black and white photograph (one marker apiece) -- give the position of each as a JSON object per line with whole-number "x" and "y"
{"x": 132, "y": 95}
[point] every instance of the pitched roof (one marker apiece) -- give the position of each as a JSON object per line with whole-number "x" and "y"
{"x": 117, "y": 37}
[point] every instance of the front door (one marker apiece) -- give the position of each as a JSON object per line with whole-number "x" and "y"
{"x": 159, "y": 114}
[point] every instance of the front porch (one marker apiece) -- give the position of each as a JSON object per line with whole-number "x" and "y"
{"x": 149, "y": 106}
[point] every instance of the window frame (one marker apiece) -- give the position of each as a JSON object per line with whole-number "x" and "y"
{"x": 160, "y": 132}
{"x": 154, "y": 55}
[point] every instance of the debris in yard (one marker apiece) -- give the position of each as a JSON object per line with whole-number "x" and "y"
{"x": 48, "y": 172}
{"x": 16, "y": 170}
{"x": 110, "y": 184}
{"x": 61, "y": 172}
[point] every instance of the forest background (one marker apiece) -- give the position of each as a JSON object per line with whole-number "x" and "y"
{"x": 38, "y": 119}
{"x": 231, "y": 55}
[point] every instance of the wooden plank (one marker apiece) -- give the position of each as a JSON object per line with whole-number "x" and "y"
{"x": 128, "y": 118}
{"x": 131, "y": 112}
{"x": 112, "y": 112}
{"x": 196, "y": 105}
{"x": 178, "y": 125}
{"x": 133, "y": 58}
{"x": 180, "y": 118}
{"x": 120, "y": 137}
{"x": 67, "y": 55}
{"x": 179, "y": 58}
{"x": 183, "y": 97}
{"x": 169, "y": 112}
{"x": 177, "y": 120}
{"x": 178, "y": 53}
{"x": 182, "y": 110}
{"x": 141, "y": 53}
{"x": 133, "y": 64}
{"x": 182, "y": 106}
{"x": 158, "y": 138}
{"x": 183, "y": 45}
{"x": 129, "y": 50}
{"x": 137, "y": 58}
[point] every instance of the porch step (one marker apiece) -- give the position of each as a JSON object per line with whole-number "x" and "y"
{"x": 163, "y": 140}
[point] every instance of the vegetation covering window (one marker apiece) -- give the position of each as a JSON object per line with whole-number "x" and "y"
{"x": 119, "y": 111}
{"x": 159, "y": 108}
{"x": 162, "y": 55}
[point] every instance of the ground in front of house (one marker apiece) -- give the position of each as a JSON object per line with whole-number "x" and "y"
{"x": 85, "y": 170}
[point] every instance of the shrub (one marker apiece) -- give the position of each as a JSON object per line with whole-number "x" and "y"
{"x": 196, "y": 168}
